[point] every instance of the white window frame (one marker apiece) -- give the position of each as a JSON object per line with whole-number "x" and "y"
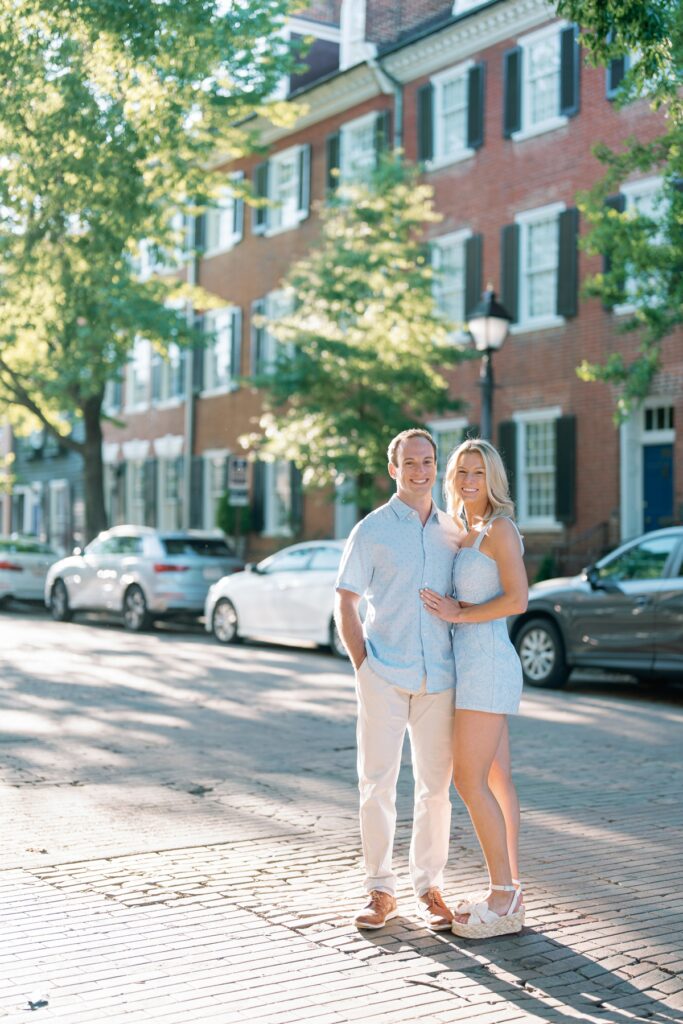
{"x": 443, "y": 157}
{"x": 233, "y": 322}
{"x": 525, "y": 220}
{"x": 549, "y": 124}
{"x": 140, "y": 357}
{"x": 219, "y": 215}
{"x": 438, "y": 244}
{"x": 213, "y": 457}
{"x": 632, "y": 192}
{"x": 450, "y": 425}
{"x": 279, "y": 302}
{"x": 169, "y": 509}
{"x": 633, "y": 439}
{"x": 547, "y": 524}
{"x": 296, "y": 215}
{"x": 347, "y": 173}
{"x": 135, "y": 504}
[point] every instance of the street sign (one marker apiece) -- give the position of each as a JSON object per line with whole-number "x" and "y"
{"x": 236, "y": 498}
{"x": 237, "y": 474}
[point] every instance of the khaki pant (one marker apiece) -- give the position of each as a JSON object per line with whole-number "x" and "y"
{"x": 384, "y": 714}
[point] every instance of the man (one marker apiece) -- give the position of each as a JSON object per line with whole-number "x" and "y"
{"x": 405, "y": 676}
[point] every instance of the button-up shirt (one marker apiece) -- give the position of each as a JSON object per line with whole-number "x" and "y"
{"x": 388, "y": 557}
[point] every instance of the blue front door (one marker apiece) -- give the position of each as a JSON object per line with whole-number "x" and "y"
{"x": 658, "y": 486}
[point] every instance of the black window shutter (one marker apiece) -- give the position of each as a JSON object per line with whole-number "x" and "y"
{"x": 383, "y": 132}
{"x": 200, "y": 231}
{"x": 197, "y": 492}
{"x": 509, "y": 269}
{"x": 570, "y": 71}
{"x": 258, "y": 482}
{"x": 616, "y": 202}
{"x": 568, "y": 267}
{"x": 425, "y": 122}
{"x": 259, "y": 214}
{"x": 297, "y": 498}
{"x": 475, "y": 106}
{"x": 507, "y": 444}
{"x": 236, "y": 350}
{"x": 304, "y": 179}
{"x": 473, "y": 255}
{"x": 512, "y": 92}
{"x": 198, "y": 357}
{"x": 616, "y": 69}
{"x": 257, "y": 337}
{"x": 565, "y": 468}
{"x": 150, "y": 491}
{"x": 333, "y": 156}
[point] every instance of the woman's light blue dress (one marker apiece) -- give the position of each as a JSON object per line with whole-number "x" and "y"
{"x": 487, "y": 669}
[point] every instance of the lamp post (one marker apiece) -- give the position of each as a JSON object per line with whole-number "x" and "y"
{"x": 488, "y": 324}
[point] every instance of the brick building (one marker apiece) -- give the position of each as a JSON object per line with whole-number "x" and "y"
{"x": 496, "y": 102}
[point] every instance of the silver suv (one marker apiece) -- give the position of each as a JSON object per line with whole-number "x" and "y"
{"x": 141, "y": 573}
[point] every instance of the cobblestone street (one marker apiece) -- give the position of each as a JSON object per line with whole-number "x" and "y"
{"x": 180, "y": 844}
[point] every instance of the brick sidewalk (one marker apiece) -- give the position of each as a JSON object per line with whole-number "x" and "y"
{"x": 248, "y": 920}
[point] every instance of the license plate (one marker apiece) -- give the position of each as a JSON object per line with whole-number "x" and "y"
{"x": 212, "y": 574}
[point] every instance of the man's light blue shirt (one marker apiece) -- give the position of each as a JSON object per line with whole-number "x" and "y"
{"x": 388, "y": 557}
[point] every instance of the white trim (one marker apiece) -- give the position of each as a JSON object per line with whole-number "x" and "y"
{"x": 169, "y": 403}
{"x": 551, "y": 125}
{"x": 291, "y": 153}
{"x": 633, "y": 439}
{"x": 524, "y": 219}
{"x": 135, "y": 450}
{"x": 307, "y": 27}
{"x": 539, "y": 524}
{"x": 557, "y": 120}
{"x": 110, "y": 452}
{"x": 170, "y": 446}
{"x": 439, "y": 81}
{"x": 224, "y": 389}
{"x": 345, "y": 131}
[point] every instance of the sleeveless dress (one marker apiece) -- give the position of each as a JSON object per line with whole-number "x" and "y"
{"x": 487, "y": 669}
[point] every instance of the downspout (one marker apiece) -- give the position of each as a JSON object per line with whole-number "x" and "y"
{"x": 188, "y": 431}
{"x": 389, "y": 84}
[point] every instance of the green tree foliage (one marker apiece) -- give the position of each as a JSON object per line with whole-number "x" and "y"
{"x": 111, "y": 112}
{"x": 644, "y": 252}
{"x": 362, "y": 356}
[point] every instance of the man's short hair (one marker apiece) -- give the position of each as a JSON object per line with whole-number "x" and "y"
{"x": 405, "y": 435}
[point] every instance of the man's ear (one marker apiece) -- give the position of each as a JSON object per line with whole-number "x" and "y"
{"x": 392, "y": 470}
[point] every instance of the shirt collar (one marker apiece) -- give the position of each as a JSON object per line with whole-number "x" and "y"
{"x": 403, "y": 511}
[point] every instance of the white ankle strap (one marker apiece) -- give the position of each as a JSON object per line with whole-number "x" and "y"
{"x": 505, "y": 888}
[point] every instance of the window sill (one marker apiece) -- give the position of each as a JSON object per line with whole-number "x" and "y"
{"x": 271, "y": 232}
{"x": 449, "y": 158}
{"x": 540, "y": 129}
{"x": 540, "y": 324}
{"x": 223, "y": 389}
{"x": 539, "y": 526}
{"x": 209, "y": 254}
{"x": 129, "y": 410}
{"x": 168, "y": 403}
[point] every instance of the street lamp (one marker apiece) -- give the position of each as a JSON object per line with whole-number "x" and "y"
{"x": 488, "y": 324}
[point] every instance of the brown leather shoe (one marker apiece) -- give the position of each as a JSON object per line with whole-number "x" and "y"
{"x": 379, "y": 909}
{"x": 433, "y": 911}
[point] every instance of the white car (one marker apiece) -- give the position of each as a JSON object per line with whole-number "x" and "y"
{"x": 286, "y": 597}
{"x": 24, "y": 562}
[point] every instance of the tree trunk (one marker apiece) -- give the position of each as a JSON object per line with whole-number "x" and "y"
{"x": 93, "y": 469}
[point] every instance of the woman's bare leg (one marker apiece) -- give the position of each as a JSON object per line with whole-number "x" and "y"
{"x": 476, "y": 739}
{"x": 503, "y": 788}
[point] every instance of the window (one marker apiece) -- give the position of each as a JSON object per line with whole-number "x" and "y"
{"x": 358, "y": 153}
{"x": 448, "y": 434}
{"x": 222, "y": 356}
{"x": 643, "y": 561}
{"x": 449, "y": 254}
{"x": 541, "y": 82}
{"x": 170, "y": 489}
{"x": 264, "y": 344}
{"x": 643, "y": 198}
{"x": 539, "y": 449}
{"x": 450, "y": 115}
{"x": 539, "y": 267}
{"x": 326, "y": 559}
{"x": 168, "y": 375}
{"x": 288, "y": 561}
{"x": 284, "y": 181}
{"x": 215, "y": 477}
{"x": 224, "y": 222}
{"x": 659, "y": 417}
{"x": 277, "y": 505}
{"x": 156, "y": 260}
{"x": 138, "y": 377}
{"x": 135, "y": 488}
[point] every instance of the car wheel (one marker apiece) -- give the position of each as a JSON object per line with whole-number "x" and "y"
{"x": 336, "y": 645}
{"x": 224, "y": 622}
{"x": 136, "y": 617}
{"x": 59, "y": 602}
{"x": 540, "y": 649}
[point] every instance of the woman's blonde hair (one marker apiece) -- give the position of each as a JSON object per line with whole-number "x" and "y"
{"x": 497, "y": 486}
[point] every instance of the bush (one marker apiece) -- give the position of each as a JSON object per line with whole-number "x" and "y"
{"x": 229, "y": 516}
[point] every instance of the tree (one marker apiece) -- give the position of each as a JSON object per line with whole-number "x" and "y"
{"x": 643, "y": 250}
{"x": 362, "y": 354}
{"x": 110, "y": 115}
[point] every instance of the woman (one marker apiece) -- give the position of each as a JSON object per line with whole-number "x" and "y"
{"x": 490, "y": 583}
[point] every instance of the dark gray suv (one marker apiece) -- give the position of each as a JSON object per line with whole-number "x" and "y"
{"x": 624, "y": 613}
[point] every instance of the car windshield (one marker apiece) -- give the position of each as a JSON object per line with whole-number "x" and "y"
{"x": 206, "y": 547}
{"x": 26, "y": 547}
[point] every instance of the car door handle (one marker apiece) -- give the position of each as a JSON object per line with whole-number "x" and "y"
{"x": 640, "y": 601}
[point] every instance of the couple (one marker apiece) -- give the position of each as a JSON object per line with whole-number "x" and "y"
{"x": 409, "y": 661}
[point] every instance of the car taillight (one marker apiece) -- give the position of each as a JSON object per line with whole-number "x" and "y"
{"x": 169, "y": 567}
{"x": 11, "y": 567}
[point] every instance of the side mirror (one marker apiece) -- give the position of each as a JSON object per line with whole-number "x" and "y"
{"x": 598, "y": 582}
{"x": 251, "y": 567}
